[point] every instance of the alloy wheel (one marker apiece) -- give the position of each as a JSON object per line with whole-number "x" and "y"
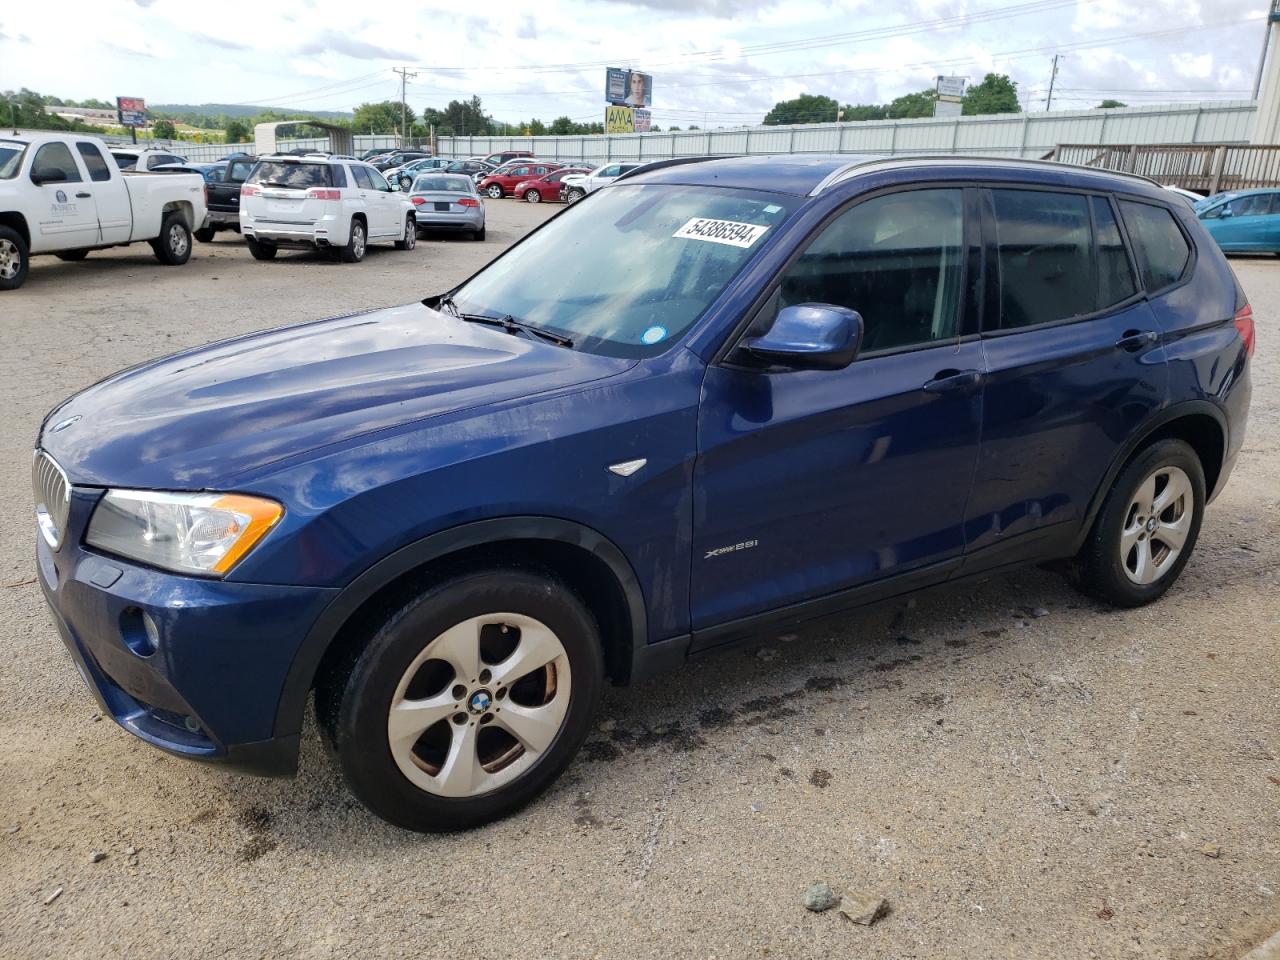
{"x": 10, "y": 259}
{"x": 357, "y": 240}
{"x": 1156, "y": 524}
{"x": 479, "y": 705}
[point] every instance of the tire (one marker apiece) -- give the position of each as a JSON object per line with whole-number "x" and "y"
{"x": 410, "y": 234}
{"x": 409, "y": 780}
{"x": 574, "y": 195}
{"x": 1133, "y": 554}
{"x": 532, "y": 196}
{"x": 173, "y": 246}
{"x": 358, "y": 242}
{"x": 262, "y": 251}
{"x": 72, "y": 256}
{"x": 205, "y": 234}
{"x": 494, "y": 191}
{"x": 477, "y": 234}
{"x": 15, "y": 259}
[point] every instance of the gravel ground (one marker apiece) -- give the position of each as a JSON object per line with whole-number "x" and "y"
{"x": 1084, "y": 783}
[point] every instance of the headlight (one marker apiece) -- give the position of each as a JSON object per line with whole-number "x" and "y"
{"x": 200, "y": 533}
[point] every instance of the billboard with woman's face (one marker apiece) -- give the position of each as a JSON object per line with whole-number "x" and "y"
{"x": 628, "y": 88}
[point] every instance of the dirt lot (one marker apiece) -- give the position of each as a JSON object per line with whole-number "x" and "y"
{"x": 1083, "y": 783}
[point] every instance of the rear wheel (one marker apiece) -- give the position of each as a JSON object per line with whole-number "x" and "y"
{"x": 14, "y": 259}
{"x": 533, "y": 196}
{"x": 353, "y": 252}
{"x": 478, "y": 234}
{"x": 262, "y": 251}
{"x": 410, "y": 234}
{"x": 1147, "y": 527}
{"x": 467, "y": 702}
{"x": 173, "y": 246}
{"x": 205, "y": 234}
{"x": 73, "y": 256}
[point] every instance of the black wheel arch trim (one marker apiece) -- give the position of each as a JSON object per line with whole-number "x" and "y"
{"x": 1162, "y": 418}
{"x": 297, "y": 687}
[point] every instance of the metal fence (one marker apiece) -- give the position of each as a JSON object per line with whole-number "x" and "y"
{"x": 1205, "y": 168}
{"x": 1008, "y": 135}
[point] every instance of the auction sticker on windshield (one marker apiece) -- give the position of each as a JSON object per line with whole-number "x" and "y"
{"x": 721, "y": 231}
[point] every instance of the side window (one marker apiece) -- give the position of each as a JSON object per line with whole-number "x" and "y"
{"x": 125, "y": 161}
{"x": 1115, "y": 275}
{"x": 338, "y": 174}
{"x": 94, "y": 162}
{"x": 378, "y": 181}
{"x": 897, "y": 260}
{"x": 1045, "y": 257}
{"x": 159, "y": 158}
{"x": 612, "y": 171}
{"x": 518, "y": 172}
{"x": 1161, "y": 249}
{"x": 362, "y": 177}
{"x": 214, "y": 174}
{"x": 56, "y": 156}
{"x": 240, "y": 171}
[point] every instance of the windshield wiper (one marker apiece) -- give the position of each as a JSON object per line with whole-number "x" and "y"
{"x": 507, "y": 322}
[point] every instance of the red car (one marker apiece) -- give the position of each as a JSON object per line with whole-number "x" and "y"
{"x": 502, "y": 181}
{"x": 546, "y": 187}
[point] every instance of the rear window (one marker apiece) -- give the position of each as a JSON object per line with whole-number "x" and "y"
{"x": 1161, "y": 249}
{"x": 447, "y": 184}
{"x": 125, "y": 161}
{"x": 283, "y": 173}
{"x": 10, "y": 158}
{"x": 94, "y": 162}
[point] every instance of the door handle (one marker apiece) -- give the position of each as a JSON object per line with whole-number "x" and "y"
{"x": 84, "y": 196}
{"x": 945, "y": 381}
{"x": 1137, "y": 339}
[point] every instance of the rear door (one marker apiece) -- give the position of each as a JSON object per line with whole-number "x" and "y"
{"x": 385, "y": 205}
{"x": 67, "y": 214}
{"x": 110, "y": 196}
{"x": 1075, "y": 364}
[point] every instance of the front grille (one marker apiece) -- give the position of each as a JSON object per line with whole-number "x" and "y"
{"x": 53, "y": 498}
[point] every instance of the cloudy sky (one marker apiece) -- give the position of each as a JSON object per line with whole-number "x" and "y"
{"x": 714, "y": 62}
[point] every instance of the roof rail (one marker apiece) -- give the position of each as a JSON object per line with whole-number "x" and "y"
{"x": 845, "y": 172}
{"x": 653, "y": 165}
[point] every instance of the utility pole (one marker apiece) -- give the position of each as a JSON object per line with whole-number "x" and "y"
{"x": 1048, "y": 104}
{"x": 405, "y": 76}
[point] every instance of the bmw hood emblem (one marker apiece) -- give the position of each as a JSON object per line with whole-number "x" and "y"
{"x": 63, "y": 424}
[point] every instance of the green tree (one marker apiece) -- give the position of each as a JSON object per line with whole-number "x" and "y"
{"x": 381, "y": 117}
{"x": 237, "y": 131}
{"x": 537, "y": 128}
{"x": 864, "y": 111}
{"x": 562, "y": 127}
{"x": 468, "y": 117}
{"x": 918, "y": 104}
{"x": 995, "y": 94}
{"x": 806, "y": 108}
{"x": 163, "y": 130}
{"x": 1110, "y": 105}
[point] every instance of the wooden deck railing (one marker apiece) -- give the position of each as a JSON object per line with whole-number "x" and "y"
{"x": 1204, "y": 167}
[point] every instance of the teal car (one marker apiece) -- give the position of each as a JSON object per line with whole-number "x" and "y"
{"x": 1244, "y": 221}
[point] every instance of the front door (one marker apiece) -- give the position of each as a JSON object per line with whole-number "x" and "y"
{"x": 67, "y": 215}
{"x": 1250, "y": 222}
{"x": 810, "y": 482}
{"x": 1075, "y": 364}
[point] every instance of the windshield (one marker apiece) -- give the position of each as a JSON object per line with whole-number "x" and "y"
{"x": 442, "y": 183}
{"x": 284, "y": 173}
{"x": 11, "y": 152}
{"x": 629, "y": 270}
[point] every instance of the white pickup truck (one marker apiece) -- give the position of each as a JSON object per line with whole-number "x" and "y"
{"x": 64, "y": 194}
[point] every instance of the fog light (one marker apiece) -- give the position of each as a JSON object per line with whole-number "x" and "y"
{"x": 139, "y": 632}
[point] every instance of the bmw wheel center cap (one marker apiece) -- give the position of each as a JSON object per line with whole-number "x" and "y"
{"x": 480, "y": 701}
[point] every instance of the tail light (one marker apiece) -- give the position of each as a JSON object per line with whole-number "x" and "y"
{"x": 417, "y": 201}
{"x": 249, "y": 191}
{"x": 322, "y": 193}
{"x": 1244, "y": 323}
{"x": 468, "y": 202}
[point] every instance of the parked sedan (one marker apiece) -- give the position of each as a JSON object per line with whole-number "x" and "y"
{"x": 546, "y": 187}
{"x": 398, "y": 159}
{"x": 472, "y": 168}
{"x": 503, "y": 181}
{"x": 1245, "y": 221}
{"x": 405, "y": 175}
{"x": 447, "y": 201}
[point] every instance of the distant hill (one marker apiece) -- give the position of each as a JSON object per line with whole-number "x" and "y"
{"x": 239, "y": 110}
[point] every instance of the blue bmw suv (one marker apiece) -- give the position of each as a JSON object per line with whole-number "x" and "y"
{"x": 717, "y": 397}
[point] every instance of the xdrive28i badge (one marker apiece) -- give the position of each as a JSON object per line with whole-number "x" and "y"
{"x": 732, "y": 548}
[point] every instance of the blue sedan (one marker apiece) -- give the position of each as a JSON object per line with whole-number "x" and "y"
{"x": 1245, "y": 221}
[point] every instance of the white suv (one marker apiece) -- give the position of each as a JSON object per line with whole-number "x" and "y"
{"x": 577, "y": 185}
{"x": 331, "y": 203}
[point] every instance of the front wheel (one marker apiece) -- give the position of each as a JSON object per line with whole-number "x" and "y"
{"x": 410, "y": 234}
{"x": 467, "y": 702}
{"x": 533, "y": 196}
{"x": 14, "y": 259}
{"x": 1147, "y": 527}
{"x": 173, "y": 246}
{"x": 573, "y": 196}
{"x": 494, "y": 191}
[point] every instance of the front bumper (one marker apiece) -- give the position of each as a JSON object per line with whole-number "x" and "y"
{"x": 205, "y": 682}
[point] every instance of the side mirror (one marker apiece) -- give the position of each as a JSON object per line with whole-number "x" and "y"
{"x": 48, "y": 175}
{"x": 1226, "y": 212}
{"x": 810, "y": 336}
